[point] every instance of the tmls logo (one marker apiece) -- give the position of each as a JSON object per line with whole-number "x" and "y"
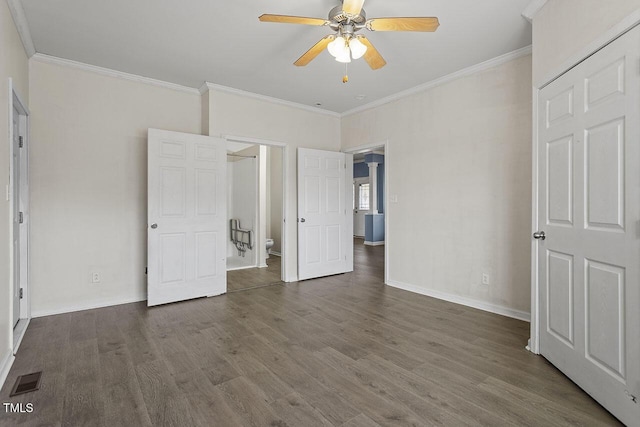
{"x": 18, "y": 407}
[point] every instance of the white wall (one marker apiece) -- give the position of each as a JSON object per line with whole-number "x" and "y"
{"x": 562, "y": 28}
{"x": 14, "y": 65}
{"x": 88, "y": 182}
{"x": 459, "y": 161}
{"x": 239, "y": 115}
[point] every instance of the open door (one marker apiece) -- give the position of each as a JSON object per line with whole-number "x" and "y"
{"x": 589, "y": 219}
{"x": 187, "y": 217}
{"x": 325, "y": 222}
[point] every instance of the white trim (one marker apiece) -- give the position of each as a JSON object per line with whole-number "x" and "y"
{"x": 532, "y": 8}
{"x": 21, "y": 328}
{"x": 24, "y": 316}
{"x": 82, "y": 307}
{"x": 629, "y": 22}
{"x": 499, "y": 60}
{"x": 47, "y": 59}
{"x": 469, "y": 302}
{"x": 246, "y": 94}
{"x": 275, "y": 253}
{"x": 19, "y": 18}
{"x": 374, "y": 243}
{"x": 5, "y": 367}
{"x": 534, "y": 340}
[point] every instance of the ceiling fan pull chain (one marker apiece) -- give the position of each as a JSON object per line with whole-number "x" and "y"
{"x": 345, "y": 79}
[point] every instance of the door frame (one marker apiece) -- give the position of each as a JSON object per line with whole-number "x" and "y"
{"x": 615, "y": 32}
{"x": 285, "y": 258}
{"x": 369, "y": 147}
{"x": 17, "y": 332}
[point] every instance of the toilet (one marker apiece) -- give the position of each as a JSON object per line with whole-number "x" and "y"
{"x": 269, "y": 246}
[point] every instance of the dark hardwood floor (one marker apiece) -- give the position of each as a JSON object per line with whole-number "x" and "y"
{"x": 338, "y": 351}
{"x": 247, "y": 278}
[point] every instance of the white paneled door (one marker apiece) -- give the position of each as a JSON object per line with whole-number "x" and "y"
{"x": 187, "y": 217}
{"x": 589, "y": 210}
{"x": 325, "y": 209}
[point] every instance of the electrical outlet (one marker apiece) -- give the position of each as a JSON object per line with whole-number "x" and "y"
{"x": 95, "y": 278}
{"x": 485, "y": 279}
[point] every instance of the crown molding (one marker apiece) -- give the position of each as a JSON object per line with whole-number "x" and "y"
{"x": 444, "y": 79}
{"x": 212, "y": 86}
{"x": 20, "y": 19}
{"x": 40, "y": 57}
{"x": 532, "y": 8}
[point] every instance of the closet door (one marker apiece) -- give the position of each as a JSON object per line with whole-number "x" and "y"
{"x": 589, "y": 210}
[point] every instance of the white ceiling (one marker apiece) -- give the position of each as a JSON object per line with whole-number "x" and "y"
{"x": 189, "y": 42}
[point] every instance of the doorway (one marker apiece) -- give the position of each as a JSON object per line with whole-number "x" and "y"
{"x": 370, "y": 216}
{"x": 19, "y": 213}
{"x": 255, "y": 200}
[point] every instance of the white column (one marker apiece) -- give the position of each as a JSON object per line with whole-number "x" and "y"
{"x": 373, "y": 187}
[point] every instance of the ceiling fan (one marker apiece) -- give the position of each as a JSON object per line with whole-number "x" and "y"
{"x": 346, "y": 20}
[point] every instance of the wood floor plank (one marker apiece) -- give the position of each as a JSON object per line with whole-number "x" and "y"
{"x": 249, "y": 403}
{"x": 295, "y": 411}
{"x": 343, "y": 350}
{"x": 165, "y": 405}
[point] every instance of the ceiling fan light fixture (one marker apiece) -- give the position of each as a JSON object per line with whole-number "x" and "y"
{"x": 358, "y": 49}
{"x": 344, "y": 56}
{"x": 337, "y": 47}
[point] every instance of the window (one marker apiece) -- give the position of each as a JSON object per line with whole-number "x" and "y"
{"x": 363, "y": 199}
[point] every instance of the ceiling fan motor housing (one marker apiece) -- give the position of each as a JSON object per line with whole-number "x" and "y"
{"x": 337, "y": 17}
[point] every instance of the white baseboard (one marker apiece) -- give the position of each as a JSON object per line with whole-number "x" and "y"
{"x": 5, "y": 366}
{"x": 18, "y": 333}
{"x": 87, "y": 306}
{"x": 275, "y": 253}
{"x": 469, "y": 302}
{"x": 374, "y": 243}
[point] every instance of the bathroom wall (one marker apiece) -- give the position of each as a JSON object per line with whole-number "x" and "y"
{"x": 274, "y": 225}
{"x": 241, "y": 199}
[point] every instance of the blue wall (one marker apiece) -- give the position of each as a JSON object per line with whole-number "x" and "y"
{"x": 374, "y": 228}
{"x": 361, "y": 170}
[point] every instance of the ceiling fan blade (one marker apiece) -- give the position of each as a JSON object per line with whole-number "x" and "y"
{"x": 372, "y": 56}
{"x": 317, "y": 48}
{"x": 352, "y": 7}
{"x": 403, "y": 24}
{"x": 286, "y": 19}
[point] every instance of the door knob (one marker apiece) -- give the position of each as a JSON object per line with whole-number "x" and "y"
{"x": 154, "y": 225}
{"x": 539, "y": 235}
{"x": 302, "y": 220}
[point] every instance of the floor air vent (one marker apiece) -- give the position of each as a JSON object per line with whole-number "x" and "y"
{"x": 26, "y": 383}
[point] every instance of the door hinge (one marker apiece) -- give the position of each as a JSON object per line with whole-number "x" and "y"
{"x": 21, "y": 293}
{"x": 20, "y": 142}
{"x": 146, "y": 270}
{"x": 20, "y": 217}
